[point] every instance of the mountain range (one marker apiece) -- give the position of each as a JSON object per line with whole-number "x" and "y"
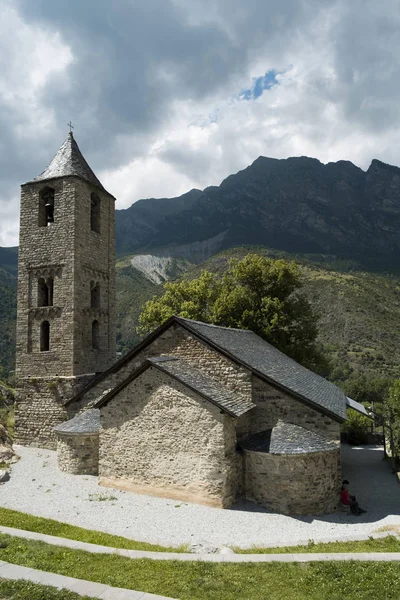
{"x": 298, "y": 205}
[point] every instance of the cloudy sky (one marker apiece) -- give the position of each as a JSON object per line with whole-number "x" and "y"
{"x": 167, "y": 95}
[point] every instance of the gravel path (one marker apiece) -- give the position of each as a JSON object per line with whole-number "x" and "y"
{"x": 39, "y": 488}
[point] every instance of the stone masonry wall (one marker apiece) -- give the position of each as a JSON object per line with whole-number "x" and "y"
{"x": 176, "y": 341}
{"x": 40, "y": 407}
{"x": 294, "y": 484}
{"x": 273, "y": 404}
{"x": 78, "y": 454}
{"x": 94, "y": 262}
{"x": 73, "y": 255}
{"x": 160, "y": 438}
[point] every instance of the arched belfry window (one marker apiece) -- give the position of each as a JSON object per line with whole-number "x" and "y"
{"x": 95, "y": 213}
{"x": 45, "y": 336}
{"x": 45, "y": 291}
{"x": 46, "y": 207}
{"x": 95, "y": 335}
{"x": 94, "y": 294}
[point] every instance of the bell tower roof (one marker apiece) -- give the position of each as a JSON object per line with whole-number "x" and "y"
{"x": 69, "y": 161}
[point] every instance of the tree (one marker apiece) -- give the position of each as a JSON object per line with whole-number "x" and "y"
{"x": 256, "y": 293}
{"x": 392, "y": 414}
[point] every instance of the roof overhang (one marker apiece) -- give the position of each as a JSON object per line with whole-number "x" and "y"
{"x": 350, "y": 403}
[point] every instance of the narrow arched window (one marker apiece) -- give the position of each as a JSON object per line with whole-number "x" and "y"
{"x": 45, "y": 291}
{"x": 94, "y": 295}
{"x": 45, "y": 336}
{"x": 46, "y": 207}
{"x": 95, "y": 213}
{"x": 95, "y": 335}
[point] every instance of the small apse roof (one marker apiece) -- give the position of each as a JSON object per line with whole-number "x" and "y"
{"x": 287, "y": 438}
{"x": 84, "y": 423}
{"x": 69, "y": 161}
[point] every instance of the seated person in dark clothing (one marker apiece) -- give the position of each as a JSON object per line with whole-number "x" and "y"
{"x": 349, "y": 500}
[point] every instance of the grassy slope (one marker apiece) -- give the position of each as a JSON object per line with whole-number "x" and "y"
{"x": 133, "y": 289}
{"x": 27, "y": 590}
{"x": 202, "y": 581}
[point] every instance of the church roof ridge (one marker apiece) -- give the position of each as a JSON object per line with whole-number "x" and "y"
{"x": 69, "y": 161}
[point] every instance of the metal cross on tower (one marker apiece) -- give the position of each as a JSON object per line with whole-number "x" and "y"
{"x": 70, "y": 126}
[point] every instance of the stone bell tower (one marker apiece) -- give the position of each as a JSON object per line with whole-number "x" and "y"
{"x": 66, "y": 291}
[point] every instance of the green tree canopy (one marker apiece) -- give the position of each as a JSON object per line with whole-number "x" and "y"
{"x": 256, "y": 293}
{"x": 392, "y": 413}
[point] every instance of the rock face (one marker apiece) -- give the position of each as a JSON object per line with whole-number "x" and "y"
{"x": 296, "y": 205}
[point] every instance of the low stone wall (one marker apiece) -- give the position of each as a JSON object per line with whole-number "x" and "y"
{"x": 78, "y": 454}
{"x": 294, "y": 483}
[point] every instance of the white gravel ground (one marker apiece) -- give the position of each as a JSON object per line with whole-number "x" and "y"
{"x": 39, "y": 488}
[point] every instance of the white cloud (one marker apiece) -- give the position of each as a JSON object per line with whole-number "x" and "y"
{"x": 158, "y": 104}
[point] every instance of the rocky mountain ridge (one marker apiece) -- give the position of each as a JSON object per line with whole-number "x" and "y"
{"x": 298, "y": 205}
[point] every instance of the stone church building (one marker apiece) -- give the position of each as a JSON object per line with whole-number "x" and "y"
{"x": 195, "y": 412}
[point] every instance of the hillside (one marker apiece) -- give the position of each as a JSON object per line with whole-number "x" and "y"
{"x": 8, "y": 300}
{"x": 360, "y": 311}
{"x": 298, "y": 205}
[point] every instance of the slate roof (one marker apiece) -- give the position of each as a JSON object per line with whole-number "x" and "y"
{"x": 251, "y": 351}
{"x": 286, "y": 438}
{"x": 227, "y": 400}
{"x": 86, "y": 422}
{"x": 69, "y": 161}
{"x": 267, "y": 361}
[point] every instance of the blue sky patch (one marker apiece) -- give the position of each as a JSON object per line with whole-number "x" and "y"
{"x": 264, "y": 82}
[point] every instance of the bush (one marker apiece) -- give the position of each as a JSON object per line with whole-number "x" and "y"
{"x": 356, "y": 428}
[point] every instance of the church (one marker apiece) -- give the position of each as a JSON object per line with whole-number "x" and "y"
{"x": 195, "y": 412}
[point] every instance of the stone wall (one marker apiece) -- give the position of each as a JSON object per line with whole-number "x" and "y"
{"x": 273, "y": 405}
{"x": 78, "y": 454}
{"x": 160, "y": 438}
{"x": 176, "y": 341}
{"x": 73, "y": 255}
{"x": 295, "y": 483}
{"x": 40, "y": 407}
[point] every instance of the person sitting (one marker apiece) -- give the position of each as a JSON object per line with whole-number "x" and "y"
{"x": 349, "y": 500}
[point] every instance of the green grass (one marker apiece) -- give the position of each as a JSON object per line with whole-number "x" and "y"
{"x": 387, "y": 544}
{"x": 208, "y": 581}
{"x": 19, "y": 520}
{"x": 26, "y": 590}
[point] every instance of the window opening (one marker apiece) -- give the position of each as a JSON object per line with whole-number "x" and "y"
{"x": 46, "y": 207}
{"x": 95, "y": 213}
{"x": 45, "y": 291}
{"x": 95, "y": 335}
{"x": 94, "y": 294}
{"x": 45, "y": 336}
